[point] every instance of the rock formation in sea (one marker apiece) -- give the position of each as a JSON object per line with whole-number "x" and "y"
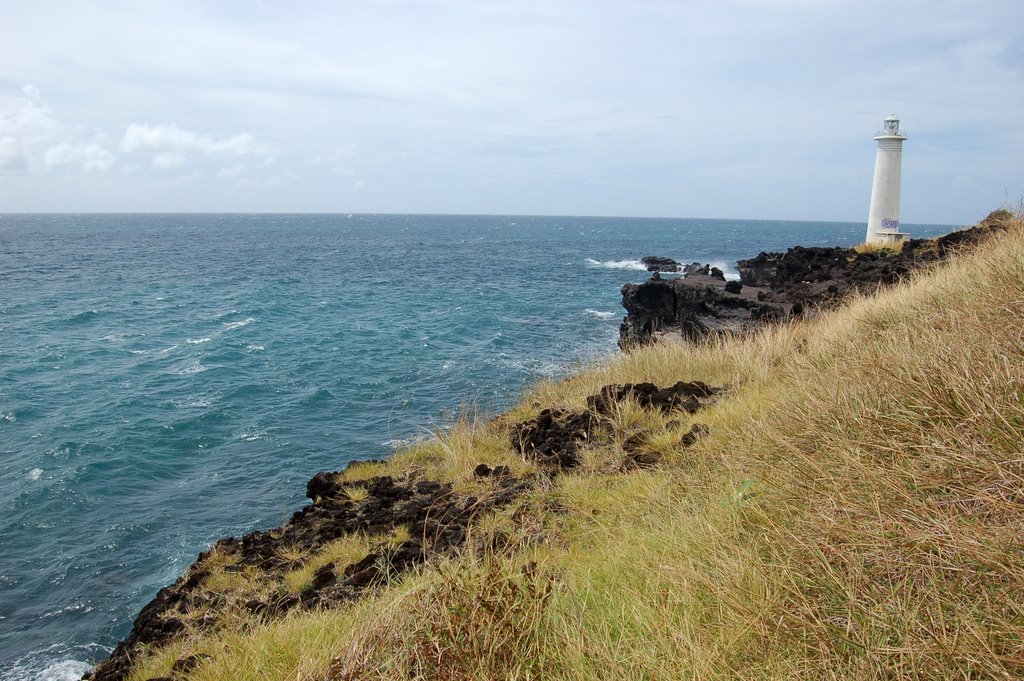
{"x": 655, "y": 263}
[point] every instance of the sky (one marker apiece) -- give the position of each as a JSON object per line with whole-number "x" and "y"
{"x": 758, "y": 109}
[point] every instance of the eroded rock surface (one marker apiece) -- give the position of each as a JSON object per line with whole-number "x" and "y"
{"x": 687, "y": 395}
{"x": 694, "y": 306}
{"x": 555, "y": 436}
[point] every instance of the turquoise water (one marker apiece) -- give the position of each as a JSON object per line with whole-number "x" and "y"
{"x": 166, "y": 380}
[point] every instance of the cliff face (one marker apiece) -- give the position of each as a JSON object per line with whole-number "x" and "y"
{"x": 776, "y": 286}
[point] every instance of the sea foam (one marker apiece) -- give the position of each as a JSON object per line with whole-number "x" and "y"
{"x": 617, "y": 264}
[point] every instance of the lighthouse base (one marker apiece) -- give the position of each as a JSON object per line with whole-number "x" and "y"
{"x": 889, "y": 238}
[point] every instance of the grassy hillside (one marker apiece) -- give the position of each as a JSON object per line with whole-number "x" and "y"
{"x": 856, "y": 511}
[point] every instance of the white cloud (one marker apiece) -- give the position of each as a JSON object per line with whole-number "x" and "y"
{"x": 359, "y": 186}
{"x": 13, "y": 159}
{"x": 90, "y": 157}
{"x": 169, "y": 159}
{"x": 171, "y": 145}
{"x": 34, "y": 140}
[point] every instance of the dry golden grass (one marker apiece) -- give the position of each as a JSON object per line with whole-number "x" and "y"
{"x": 855, "y": 513}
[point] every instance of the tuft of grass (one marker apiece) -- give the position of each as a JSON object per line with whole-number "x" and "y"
{"x": 358, "y": 471}
{"x": 356, "y": 493}
{"x": 341, "y": 552}
{"x": 478, "y": 619}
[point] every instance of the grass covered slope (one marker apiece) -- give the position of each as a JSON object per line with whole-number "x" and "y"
{"x": 856, "y": 511}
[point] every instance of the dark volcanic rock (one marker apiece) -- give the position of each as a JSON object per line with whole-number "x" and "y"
{"x": 683, "y": 395}
{"x": 436, "y": 518}
{"x": 697, "y": 431}
{"x": 553, "y": 436}
{"x": 776, "y": 286}
{"x": 656, "y": 264}
{"x": 821, "y": 276}
{"x": 692, "y": 307}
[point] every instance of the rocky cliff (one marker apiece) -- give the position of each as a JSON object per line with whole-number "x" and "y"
{"x": 776, "y": 286}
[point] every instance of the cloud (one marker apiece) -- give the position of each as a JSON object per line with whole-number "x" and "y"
{"x": 169, "y": 159}
{"x": 90, "y": 157}
{"x": 231, "y": 172}
{"x": 340, "y": 153}
{"x": 27, "y": 127}
{"x": 171, "y": 145}
{"x": 33, "y": 140}
{"x": 651, "y": 108}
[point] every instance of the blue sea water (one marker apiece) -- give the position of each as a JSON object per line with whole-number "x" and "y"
{"x": 167, "y": 380}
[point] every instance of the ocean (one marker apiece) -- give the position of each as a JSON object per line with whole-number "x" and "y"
{"x": 167, "y": 380}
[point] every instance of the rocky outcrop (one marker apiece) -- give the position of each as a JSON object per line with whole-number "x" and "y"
{"x": 700, "y": 303}
{"x": 819, "y": 277}
{"x": 657, "y": 264}
{"x": 554, "y": 437}
{"x": 776, "y": 286}
{"x": 437, "y": 520}
{"x": 686, "y": 395}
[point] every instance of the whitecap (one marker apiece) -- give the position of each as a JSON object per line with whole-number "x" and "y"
{"x": 7, "y": 416}
{"x": 254, "y": 348}
{"x": 252, "y": 435}
{"x": 727, "y": 270}
{"x": 197, "y": 341}
{"x": 542, "y": 368}
{"x": 617, "y": 264}
{"x": 140, "y": 352}
{"x": 598, "y": 314}
{"x": 166, "y": 350}
{"x": 65, "y": 670}
{"x": 401, "y": 443}
{"x": 237, "y": 325}
{"x": 193, "y": 368}
{"x": 35, "y": 473}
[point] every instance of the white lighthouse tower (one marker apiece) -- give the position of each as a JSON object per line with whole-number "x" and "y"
{"x": 884, "y": 213}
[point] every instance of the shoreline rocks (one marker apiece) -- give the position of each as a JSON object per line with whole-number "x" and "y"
{"x": 775, "y": 287}
{"x": 694, "y": 306}
{"x": 436, "y": 519}
{"x": 658, "y": 264}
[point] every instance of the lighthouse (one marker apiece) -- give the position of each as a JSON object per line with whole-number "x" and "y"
{"x": 884, "y": 213}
